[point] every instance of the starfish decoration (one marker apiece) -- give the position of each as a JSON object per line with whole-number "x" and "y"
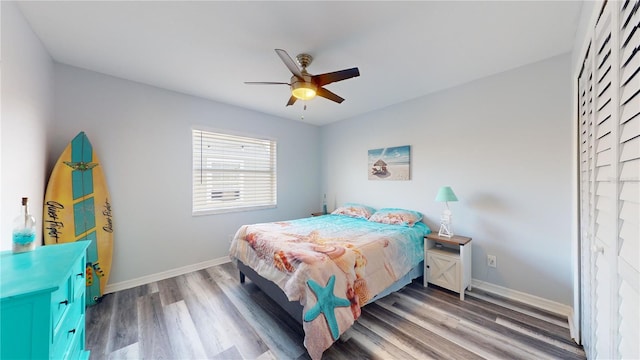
{"x": 81, "y": 165}
{"x": 326, "y": 304}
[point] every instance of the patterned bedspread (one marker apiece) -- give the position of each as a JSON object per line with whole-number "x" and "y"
{"x": 332, "y": 264}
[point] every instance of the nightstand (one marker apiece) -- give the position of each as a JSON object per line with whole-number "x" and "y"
{"x": 447, "y": 262}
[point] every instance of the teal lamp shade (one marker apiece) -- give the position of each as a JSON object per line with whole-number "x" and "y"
{"x": 445, "y": 194}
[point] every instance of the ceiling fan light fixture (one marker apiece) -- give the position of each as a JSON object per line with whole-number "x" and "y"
{"x": 303, "y": 90}
{"x": 305, "y": 86}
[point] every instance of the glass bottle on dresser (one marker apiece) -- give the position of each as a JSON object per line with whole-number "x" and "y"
{"x": 24, "y": 230}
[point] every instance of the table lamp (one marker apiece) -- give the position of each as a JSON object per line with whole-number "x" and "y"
{"x": 445, "y": 194}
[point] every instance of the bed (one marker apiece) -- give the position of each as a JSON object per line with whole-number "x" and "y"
{"x": 323, "y": 269}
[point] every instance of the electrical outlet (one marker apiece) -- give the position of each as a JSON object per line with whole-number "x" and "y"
{"x": 491, "y": 261}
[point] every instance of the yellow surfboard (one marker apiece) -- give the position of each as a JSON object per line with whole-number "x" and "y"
{"x": 77, "y": 207}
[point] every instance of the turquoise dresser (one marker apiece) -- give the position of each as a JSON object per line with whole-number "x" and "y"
{"x": 42, "y": 303}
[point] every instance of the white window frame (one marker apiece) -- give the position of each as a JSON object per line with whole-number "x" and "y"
{"x": 239, "y": 172}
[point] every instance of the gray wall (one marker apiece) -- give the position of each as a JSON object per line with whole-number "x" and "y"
{"x": 27, "y": 111}
{"x": 503, "y": 143}
{"x": 142, "y": 135}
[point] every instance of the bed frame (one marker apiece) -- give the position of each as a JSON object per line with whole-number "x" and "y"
{"x": 272, "y": 290}
{"x": 294, "y": 308}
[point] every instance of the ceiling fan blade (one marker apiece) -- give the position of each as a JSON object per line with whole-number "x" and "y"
{"x": 265, "y": 83}
{"x": 292, "y": 100}
{"x": 329, "y": 95}
{"x": 328, "y": 78}
{"x": 288, "y": 61}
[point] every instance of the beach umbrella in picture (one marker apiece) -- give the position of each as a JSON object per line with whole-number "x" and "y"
{"x": 380, "y": 166}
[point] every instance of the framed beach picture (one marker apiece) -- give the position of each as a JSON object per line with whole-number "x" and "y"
{"x": 392, "y": 163}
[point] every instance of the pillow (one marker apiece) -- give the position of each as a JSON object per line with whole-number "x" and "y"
{"x": 396, "y": 217}
{"x": 354, "y": 210}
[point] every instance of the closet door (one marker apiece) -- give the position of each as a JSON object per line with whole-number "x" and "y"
{"x": 609, "y": 125}
{"x": 603, "y": 242}
{"x": 586, "y": 158}
{"x": 629, "y": 181}
{"x": 605, "y": 201}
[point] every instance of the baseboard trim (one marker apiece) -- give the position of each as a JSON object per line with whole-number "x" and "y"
{"x": 110, "y": 288}
{"x": 532, "y": 300}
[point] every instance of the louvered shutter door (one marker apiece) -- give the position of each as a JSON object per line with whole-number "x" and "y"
{"x": 605, "y": 197}
{"x": 629, "y": 181}
{"x": 585, "y": 101}
{"x": 609, "y": 178}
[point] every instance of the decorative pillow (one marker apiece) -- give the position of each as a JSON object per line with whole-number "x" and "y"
{"x": 354, "y": 210}
{"x": 394, "y": 216}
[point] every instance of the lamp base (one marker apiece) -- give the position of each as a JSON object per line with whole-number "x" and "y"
{"x": 445, "y": 224}
{"x": 445, "y": 230}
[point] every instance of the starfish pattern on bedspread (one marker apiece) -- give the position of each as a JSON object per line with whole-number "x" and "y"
{"x": 327, "y": 302}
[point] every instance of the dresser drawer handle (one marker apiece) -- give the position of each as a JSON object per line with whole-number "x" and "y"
{"x": 66, "y": 302}
{"x": 72, "y": 331}
{"x": 80, "y": 275}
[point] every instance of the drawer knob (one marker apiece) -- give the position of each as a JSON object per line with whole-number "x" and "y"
{"x": 66, "y": 302}
{"x": 72, "y": 331}
{"x": 80, "y": 275}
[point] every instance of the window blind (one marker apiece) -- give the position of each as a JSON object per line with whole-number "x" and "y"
{"x": 232, "y": 173}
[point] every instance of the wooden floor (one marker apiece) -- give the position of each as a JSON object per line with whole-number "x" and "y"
{"x": 208, "y": 314}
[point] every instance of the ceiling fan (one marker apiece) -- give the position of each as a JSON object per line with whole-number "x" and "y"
{"x": 305, "y": 86}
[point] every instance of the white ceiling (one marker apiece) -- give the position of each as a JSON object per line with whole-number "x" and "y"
{"x": 208, "y": 49}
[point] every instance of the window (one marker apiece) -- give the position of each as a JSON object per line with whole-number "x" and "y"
{"x": 232, "y": 173}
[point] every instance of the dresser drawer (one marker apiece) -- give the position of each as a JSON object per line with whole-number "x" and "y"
{"x": 60, "y": 302}
{"x": 78, "y": 279}
{"x": 74, "y": 350}
{"x": 66, "y": 335}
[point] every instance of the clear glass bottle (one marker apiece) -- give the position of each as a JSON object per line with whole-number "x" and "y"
{"x": 24, "y": 230}
{"x": 324, "y": 204}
